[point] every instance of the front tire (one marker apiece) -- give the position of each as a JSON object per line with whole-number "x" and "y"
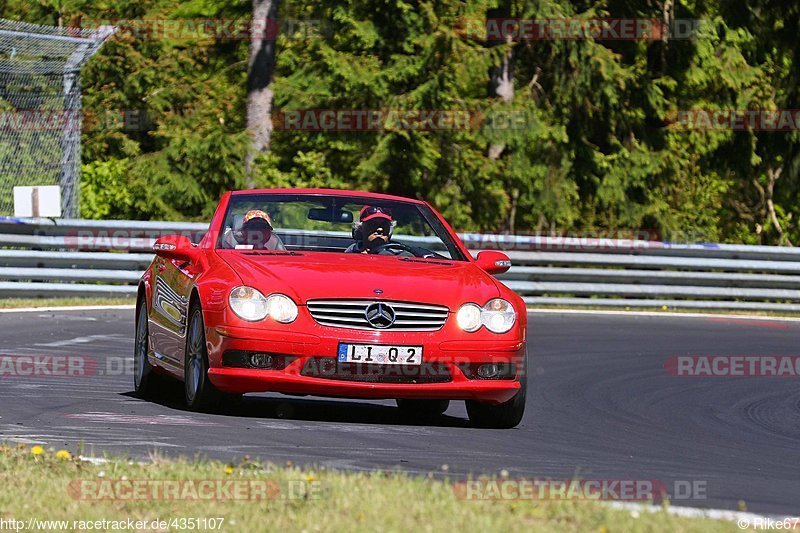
{"x": 200, "y": 394}
{"x": 145, "y": 380}
{"x": 505, "y": 415}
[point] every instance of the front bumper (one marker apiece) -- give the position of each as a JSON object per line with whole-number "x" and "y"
{"x": 445, "y": 349}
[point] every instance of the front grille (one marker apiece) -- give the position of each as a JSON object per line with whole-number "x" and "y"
{"x": 330, "y": 368}
{"x": 352, "y": 314}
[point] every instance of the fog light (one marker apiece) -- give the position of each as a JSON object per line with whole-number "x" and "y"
{"x": 489, "y": 371}
{"x": 260, "y": 360}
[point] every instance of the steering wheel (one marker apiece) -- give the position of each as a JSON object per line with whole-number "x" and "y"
{"x": 393, "y": 248}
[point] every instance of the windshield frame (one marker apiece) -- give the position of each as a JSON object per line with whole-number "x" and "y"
{"x": 425, "y": 212}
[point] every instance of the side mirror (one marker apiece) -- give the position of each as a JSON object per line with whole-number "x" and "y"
{"x": 493, "y": 262}
{"x": 176, "y": 247}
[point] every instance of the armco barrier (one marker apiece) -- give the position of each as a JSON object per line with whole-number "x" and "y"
{"x": 43, "y": 257}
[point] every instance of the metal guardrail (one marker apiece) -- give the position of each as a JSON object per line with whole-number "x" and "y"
{"x": 42, "y": 257}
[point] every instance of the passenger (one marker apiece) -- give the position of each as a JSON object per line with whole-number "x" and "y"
{"x": 257, "y": 233}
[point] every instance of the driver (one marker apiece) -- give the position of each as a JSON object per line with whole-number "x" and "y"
{"x": 372, "y": 230}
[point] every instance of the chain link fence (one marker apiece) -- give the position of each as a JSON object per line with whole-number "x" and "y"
{"x": 40, "y": 107}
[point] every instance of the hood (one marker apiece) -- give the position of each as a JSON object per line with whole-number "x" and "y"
{"x": 311, "y": 275}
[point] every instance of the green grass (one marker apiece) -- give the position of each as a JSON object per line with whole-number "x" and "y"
{"x": 36, "y": 486}
{"x": 14, "y": 303}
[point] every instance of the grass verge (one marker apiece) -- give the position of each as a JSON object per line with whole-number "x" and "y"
{"x": 18, "y": 303}
{"x": 37, "y": 484}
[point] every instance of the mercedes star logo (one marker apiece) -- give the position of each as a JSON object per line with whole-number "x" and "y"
{"x": 379, "y": 315}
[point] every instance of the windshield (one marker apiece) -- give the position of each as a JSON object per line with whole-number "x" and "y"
{"x": 335, "y": 224}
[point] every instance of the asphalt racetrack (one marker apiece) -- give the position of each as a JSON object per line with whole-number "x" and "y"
{"x": 601, "y": 405}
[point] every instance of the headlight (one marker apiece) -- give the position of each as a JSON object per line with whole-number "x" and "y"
{"x": 281, "y": 308}
{"x": 248, "y": 303}
{"x": 498, "y": 315}
{"x": 469, "y": 317}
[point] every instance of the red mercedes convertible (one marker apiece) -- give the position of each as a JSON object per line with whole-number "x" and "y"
{"x": 332, "y": 293}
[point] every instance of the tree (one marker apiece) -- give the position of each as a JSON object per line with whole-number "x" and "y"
{"x": 260, "y": 71}
{"x": 573, "y": 133}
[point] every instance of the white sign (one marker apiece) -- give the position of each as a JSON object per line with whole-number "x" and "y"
{"x": 33, "y": 202}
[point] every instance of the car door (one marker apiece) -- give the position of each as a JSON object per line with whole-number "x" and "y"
{"x": 172, "y": 284}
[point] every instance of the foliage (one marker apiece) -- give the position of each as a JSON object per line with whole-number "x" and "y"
{"x": 589, "y": 140}
{"x": 104, "y": 191}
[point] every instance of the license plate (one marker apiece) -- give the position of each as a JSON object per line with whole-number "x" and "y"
{"x": 380, "y": 354}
